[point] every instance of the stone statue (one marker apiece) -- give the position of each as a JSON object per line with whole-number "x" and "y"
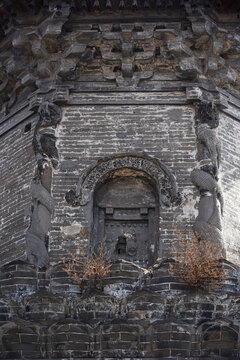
{"x": 207, "y": 225}
{"x": 44, "y": 140}
{"x": 208, "y": 137}
{"x": 44, "y": 145}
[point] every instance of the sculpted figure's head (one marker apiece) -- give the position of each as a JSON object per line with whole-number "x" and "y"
{"x": 207, "y": 114}
{"x": 50, "y": 114}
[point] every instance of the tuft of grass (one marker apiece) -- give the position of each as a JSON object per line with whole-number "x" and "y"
{"x": 198, "y": 263}
{"x": 86, "y": 264}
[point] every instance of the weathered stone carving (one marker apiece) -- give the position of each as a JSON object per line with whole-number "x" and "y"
{"x": 44, "y": 141}
{"x": 124, "y": 194}
{"x": 125, "y": 53}
{"x": 44, "y": 144}
{"x": 208, "y": 222}
{"x": 205, "y": 182}
{"x": 208, "y": 137}
{"x": 163, "y": 178}
{"x": 206, "y": 113}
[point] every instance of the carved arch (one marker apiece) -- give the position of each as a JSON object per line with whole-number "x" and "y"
{"x": 158, "y": 171}
{"x": 123, "y": 195}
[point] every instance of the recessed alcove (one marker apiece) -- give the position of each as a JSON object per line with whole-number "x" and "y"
{"x": 126, "y": 208}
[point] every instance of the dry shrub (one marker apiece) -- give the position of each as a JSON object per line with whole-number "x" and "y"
{"x": 86, "y": 264}
{"x": 198, "y": 263}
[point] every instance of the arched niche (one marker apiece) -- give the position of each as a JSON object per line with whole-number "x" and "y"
{"x": 126, "y": 215}
{"x": 126, "y": 190}
{"x": 90, "y": 178}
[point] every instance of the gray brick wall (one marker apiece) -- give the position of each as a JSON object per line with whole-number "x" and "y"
{"x": 17, "y": 163}
{"x": 229, "y": 134}
{"x": 88, "y": 133}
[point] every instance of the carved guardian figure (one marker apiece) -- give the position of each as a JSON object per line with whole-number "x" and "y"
{"x": 44, "y": 145}
{"x": 44, "y": 140}
{"x": 207, "y": 226}
{"x": 208, "y": 137}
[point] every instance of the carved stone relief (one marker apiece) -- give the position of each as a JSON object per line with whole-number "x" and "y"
{"x": 164, "y": 179}
{"x": 44, "y": 145}
{"x": 207, "y": 226}
{"x": 125, "y": 193}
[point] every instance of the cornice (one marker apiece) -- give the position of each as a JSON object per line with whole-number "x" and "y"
{"x": 63, "y": 96}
